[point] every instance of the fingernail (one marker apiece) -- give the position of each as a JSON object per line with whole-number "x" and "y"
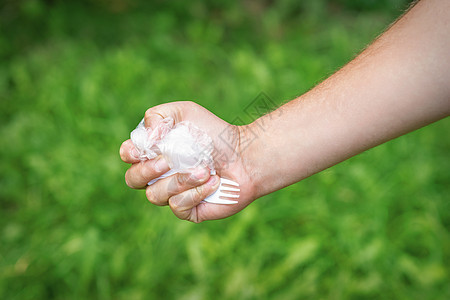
{"x": 134, "y": 153}
{"x": 161, "y": 165}
{"x": 212, "y": 180}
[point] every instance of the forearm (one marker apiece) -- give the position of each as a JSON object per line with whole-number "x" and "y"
{"x": 398, "y": 84}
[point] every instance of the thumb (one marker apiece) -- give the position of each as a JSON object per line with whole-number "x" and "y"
{"x": 154, "y": 116}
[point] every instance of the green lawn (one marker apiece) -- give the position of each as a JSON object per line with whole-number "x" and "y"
{"x": 75, "y": 79}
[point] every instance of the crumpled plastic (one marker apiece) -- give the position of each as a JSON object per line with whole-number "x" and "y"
{"x": 183, "y": 145}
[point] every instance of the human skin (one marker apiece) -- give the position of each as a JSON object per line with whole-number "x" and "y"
{"x": 398, "y": 84}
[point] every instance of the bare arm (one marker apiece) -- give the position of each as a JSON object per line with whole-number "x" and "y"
{"x": 398, "y": 84}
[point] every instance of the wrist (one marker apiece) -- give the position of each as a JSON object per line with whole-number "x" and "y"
{"x": 250, "y": 150}
{"x": 272, "y": 155}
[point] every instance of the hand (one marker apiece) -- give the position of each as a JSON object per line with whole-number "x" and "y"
{"x": 184, "y": 192}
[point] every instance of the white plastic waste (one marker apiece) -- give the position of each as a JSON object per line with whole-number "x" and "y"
{"x": 184, "y": 146}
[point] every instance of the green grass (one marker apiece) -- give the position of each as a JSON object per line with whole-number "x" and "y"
{"x": 75, "y": 79}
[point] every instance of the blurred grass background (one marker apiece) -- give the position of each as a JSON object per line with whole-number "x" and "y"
{"x": 76, "y": 78}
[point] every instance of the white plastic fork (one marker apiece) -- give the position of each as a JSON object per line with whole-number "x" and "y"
{"x": 222, "y": 192}
{"x": 217, "y": 196}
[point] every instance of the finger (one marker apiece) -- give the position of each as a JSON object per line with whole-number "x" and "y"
{"x": 160, "y": 192}
{"x": 154, "y": 115}
{"x": 139, "y": 174}
{"x": 184, "y": 205}
{"x": 128, "y": 153}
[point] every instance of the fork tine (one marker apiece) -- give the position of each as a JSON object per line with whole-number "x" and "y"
{"x": 228, "y": 181}
{"x": 223, "y": 201}
{"x": 230, "y": 189}
{"x": 228, "y": 195}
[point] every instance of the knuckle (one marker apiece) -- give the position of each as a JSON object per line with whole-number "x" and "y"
{"x": 174, "y": 203}
{"x": 145, "y": 170}
{"x": 198, "y": 192}
{"x": 127, "y": 179}
{"x": 181, "y": 180}
{"x": 150, "y": 195}
{"x": 148, "y": 113}
{"x": 122, "y": 151}
{"x": 172, "y": 186}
